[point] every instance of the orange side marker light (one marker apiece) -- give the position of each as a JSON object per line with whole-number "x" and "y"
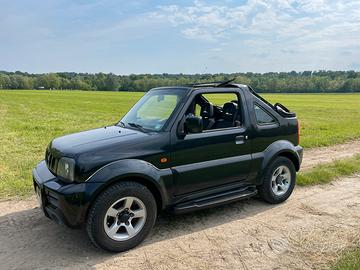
{"x": 163, "y": 160}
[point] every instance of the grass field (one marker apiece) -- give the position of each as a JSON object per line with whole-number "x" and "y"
{"x": 349, "y": 261}
{"x": 30, "y": 119}
{"x": 325, "y": 173}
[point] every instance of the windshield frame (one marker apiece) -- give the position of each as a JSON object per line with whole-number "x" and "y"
{"x": 182, "y": 93}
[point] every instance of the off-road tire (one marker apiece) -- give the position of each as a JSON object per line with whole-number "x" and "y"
{"x": 95, "y": 219}
{"x": 265, "y": 190}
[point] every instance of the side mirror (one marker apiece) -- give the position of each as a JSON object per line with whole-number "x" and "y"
{"x": 193, "y": 124}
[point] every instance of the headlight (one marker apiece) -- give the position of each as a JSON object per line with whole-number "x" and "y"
{"x": 66, "y": 168}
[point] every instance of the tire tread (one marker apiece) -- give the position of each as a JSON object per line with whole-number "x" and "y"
{"x": 103, "y": 197}
{"x": 264, "y": 189}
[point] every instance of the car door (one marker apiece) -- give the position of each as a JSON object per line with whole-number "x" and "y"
{"x": 212, "y": 158}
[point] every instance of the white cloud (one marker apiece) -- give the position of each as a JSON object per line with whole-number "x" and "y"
{"x": 224, "y": 36}
{"x": 277, "y": 34}
{"x": 279, "y": 18}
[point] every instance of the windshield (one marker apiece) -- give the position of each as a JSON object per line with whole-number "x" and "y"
{"x": 153, "y": 110}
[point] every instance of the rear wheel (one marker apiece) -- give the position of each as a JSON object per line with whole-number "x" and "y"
{"x": 121, "y": 217}
{"x": 279, "y": 181}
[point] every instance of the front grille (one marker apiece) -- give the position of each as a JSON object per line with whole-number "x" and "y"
{"x": 51, "y": 162}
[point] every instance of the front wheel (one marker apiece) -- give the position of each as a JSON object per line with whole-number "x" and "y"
{"x": 121, "y": 217}
{"x": 279, "y": 181}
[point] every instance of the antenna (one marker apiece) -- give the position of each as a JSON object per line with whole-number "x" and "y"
{"x": 205, "y": 69}
{"x": 226, "y": 82}
{"x": 216, "y": 84}
{"x": 198, "y": 81}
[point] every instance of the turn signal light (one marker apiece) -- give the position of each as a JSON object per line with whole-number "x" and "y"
{"x": 298, "y": 125}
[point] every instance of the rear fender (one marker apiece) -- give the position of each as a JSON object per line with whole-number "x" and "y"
{"x": 262, "y": 160}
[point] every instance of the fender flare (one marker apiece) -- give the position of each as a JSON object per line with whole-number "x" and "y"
{"x": 279, "y": 148}
{"x": 136, "y": 169}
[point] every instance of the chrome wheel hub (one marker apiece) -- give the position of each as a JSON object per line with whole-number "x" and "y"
{"x": 280, "y": 180}
{"x": 125, "y": 218}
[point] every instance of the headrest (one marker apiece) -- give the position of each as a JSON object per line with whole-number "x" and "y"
{"x": 229, "y": 110}
{"x": 207, "y": 110}
{"x": 230, "y": 107}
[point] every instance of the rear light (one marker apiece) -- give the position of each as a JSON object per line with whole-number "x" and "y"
{"x": 298, "y": 127}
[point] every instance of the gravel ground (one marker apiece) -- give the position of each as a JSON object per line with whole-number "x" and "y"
{"x": 316, "y": 156}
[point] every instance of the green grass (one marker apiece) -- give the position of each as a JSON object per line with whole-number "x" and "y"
{"x": 349, "y": 261}
{"x": 325, "y": 173}
{"x": 326, "y": 119}
{"x": 30, "y": 119}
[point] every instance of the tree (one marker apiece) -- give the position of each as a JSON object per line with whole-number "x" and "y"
{"x": 307, "y": 81}
{"x": 49, "y": 81}
{"x": 4, "y": 81}
{"x": 112, "y": 82}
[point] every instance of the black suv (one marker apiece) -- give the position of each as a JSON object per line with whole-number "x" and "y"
{"x": 178, "y": 149}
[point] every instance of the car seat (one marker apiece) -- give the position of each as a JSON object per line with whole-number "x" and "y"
{"x": 229, "y": 115}
{"x": 207, "y": 114}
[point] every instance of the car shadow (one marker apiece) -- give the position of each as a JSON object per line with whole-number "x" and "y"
{"x": 30, "y": 240}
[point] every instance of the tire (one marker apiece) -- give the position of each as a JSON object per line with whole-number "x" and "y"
{"x": 113, "y": 228}
{"x": 279, "y": 169}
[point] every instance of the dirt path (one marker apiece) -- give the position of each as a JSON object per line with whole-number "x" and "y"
{"x": 315, "y": 156}
{"x": 306, "y": 232}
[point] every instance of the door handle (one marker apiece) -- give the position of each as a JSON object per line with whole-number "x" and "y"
{"x": 240, "y": 139}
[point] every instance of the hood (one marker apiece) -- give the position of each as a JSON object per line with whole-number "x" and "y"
{"x": 76, "y": 143}
{"x": 94, "y": 148}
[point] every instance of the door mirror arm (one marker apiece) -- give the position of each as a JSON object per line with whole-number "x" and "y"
{"x": 181, "y": 128}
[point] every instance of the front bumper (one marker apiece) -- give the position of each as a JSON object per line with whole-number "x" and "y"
{"x": 65, "y": 203}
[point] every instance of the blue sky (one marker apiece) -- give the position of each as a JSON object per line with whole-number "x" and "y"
{"x": 126, "y": 37}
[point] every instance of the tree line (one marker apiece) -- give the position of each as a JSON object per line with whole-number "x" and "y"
{"x": 290, "y": 82}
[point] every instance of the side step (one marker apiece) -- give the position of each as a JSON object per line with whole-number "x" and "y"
{"x": 214, "y": 200}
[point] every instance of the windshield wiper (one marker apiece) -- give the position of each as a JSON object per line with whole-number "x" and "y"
{"x": 121, "y": 123}
{"x": 137, "y": 126}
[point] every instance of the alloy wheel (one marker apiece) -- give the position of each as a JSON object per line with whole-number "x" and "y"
{"x": 125, "y": 218}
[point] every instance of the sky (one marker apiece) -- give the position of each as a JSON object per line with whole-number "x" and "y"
{"x": 224, "y": 36}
